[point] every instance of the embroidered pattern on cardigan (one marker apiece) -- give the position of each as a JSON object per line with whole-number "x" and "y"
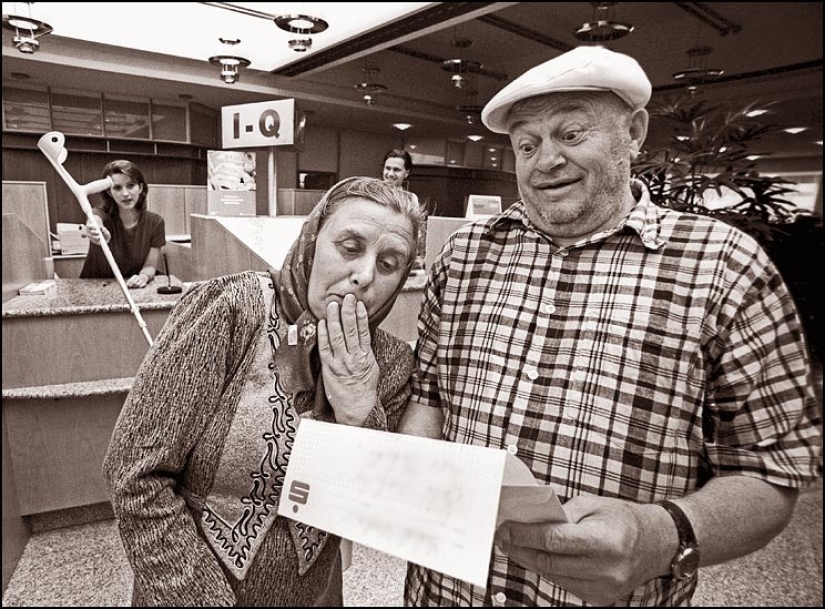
{"x": 237, "y": 543}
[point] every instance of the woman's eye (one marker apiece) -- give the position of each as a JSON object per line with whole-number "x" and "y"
{"x": 348, "y": 248}
{"x": 388, "y": 266}
{"x": 526, "y": 148}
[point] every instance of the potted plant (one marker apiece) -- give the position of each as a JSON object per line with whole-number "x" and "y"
{"x": 707, "y": 152}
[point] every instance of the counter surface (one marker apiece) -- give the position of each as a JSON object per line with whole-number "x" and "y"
{"x": 83, "y": 296}
{"x": 415, "y": 281}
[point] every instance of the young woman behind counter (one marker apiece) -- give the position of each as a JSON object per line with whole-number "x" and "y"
{"x": 134, "y": 234}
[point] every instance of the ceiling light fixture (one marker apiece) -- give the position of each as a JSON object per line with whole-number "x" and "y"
{"x": 368, "y": 88}
{"x": 795, "y": 130}
{"x": 698, "y": 72}
{"x": 602, "y": 28}
{"x": 402, "y": 126}
{"x": 300, "y": 45}
{"x": 26, "y": 30}
{"x": 471, "y": 112}
{"x": 301, "y": 25}
{"x": 460, "y": 67}
{"x": 230, "y": 67}
{"x": 475, "y": 138}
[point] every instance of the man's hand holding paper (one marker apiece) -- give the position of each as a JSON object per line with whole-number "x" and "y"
{"x": 596, "y": 555}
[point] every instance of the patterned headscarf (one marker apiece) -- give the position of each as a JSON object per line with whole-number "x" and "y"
{"x": 299, "y": 365}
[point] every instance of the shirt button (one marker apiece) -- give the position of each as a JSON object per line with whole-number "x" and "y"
{"x": 532, "y": 374}
{"x": 562, "y": 253}
{"x": 512, "y": 449}
{"x": 550, "y": 308}
{"x": 501, "y": 597}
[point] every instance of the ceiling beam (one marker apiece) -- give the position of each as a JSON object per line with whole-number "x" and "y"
{"x": 431, "y": 19}
{"x": 707, "y": 15}
{"x": 520, "y": 30}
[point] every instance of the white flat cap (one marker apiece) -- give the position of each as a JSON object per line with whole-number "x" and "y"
{"x": 589, "y": 68}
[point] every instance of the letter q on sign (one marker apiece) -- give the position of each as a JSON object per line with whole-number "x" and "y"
{"x": 269, "y": 123}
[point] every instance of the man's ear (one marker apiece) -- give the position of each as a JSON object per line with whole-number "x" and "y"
{"x": 638, "y": 131}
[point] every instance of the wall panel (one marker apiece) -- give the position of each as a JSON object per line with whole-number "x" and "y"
{"x": 362, "y": 153}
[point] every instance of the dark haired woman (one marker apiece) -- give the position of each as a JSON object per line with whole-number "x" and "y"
{"x": 134, "y": 234}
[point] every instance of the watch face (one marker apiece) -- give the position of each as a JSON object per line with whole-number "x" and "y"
{"x": 686, "y": 563}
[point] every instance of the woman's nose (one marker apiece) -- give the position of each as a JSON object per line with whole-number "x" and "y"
{"x": 362, "y": 272}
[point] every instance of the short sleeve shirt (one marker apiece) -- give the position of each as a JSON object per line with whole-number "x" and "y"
{"x": 129, "y": 246}
{"x": 635, "y": 364}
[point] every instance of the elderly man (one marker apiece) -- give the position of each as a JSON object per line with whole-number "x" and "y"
{"x": 648, "y": 364}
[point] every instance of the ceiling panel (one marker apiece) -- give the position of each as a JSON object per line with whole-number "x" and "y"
{"x": 775, "y": 55}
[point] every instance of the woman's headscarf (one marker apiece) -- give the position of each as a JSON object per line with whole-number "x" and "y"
{"x": 299, "y": 365}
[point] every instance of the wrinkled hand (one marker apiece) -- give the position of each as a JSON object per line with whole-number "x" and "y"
{"x": 137, "y": 281}
{"x": 95, "y": 229}
{"x": 348, "y": 363}
{"x": 601, "y": 555}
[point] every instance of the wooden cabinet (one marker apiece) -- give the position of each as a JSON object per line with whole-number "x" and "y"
{"x": 168, "y": 201}
{"x": 297, "y": 201}
{"x": 176, "y": 203}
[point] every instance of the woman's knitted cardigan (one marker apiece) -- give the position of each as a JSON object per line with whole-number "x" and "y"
{"x": 171, "y": 434}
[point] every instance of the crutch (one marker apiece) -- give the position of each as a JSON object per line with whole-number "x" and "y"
{"x": 53, "y": 145}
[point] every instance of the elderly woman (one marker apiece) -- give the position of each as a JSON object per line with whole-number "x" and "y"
{"x": 199, "y": 453}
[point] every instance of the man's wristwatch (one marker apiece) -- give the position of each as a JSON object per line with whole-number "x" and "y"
{"x": 686, "y": 561}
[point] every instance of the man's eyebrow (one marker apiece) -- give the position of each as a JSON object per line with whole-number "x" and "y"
{"x": 568, "y": 107}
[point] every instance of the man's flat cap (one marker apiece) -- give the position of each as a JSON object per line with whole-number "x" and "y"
{"x": 589, "y": 68}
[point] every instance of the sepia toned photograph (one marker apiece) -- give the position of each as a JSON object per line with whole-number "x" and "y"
{"x": 412, "y": 304}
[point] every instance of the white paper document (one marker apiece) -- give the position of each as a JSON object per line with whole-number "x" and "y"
{"x": 431, "y": 502}
{"x": 523, "y": 499}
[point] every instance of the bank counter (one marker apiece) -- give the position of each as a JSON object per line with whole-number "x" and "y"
{"x": 69, "y": 359}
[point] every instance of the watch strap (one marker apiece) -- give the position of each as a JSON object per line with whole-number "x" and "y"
{"x": 684, "y": 564}
{"x": 687, "y": 538}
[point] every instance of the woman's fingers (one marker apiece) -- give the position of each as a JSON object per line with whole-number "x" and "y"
{"x": 363, "y": 321}
{"x": 95, "y": 232}
{"x": 324, "y": 348}
{"x": 349, "y": 323}
{"x": 348, "y": 326}
{"x": 335, "y": 330}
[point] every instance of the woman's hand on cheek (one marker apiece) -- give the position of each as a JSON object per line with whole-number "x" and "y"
{"x": 348, "y": 363}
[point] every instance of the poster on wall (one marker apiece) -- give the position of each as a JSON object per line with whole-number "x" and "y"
{"x": 230, "y": 176}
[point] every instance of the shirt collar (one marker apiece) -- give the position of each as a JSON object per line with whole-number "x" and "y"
{"x": 645, "y": 219}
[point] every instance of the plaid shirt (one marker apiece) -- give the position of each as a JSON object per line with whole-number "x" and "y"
{"x": 635, "y": 364}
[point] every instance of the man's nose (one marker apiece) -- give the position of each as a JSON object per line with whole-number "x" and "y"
{"x": 551, "y": 156}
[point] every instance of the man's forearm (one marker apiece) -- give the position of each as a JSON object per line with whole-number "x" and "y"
{"x": 421, "y": 420}
{"x": 735, "y": 515}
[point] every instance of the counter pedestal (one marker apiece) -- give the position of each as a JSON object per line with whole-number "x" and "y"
{"x": 69, "y": 359}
